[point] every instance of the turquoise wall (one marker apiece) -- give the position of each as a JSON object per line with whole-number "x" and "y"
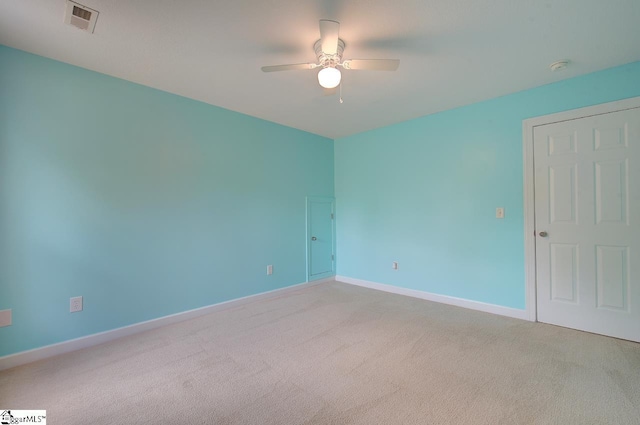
{"x": 143, "y": 202}
{"x": 424, "y": 192}
{"x": 149, "y": 204}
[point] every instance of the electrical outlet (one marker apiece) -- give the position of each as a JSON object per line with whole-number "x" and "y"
{"x": 5, "y": 318}
{"x": 394, "y": 265}
{"x": 269, "y": 269}
{"x": 75, "y": 304}
{"x": 500, "y": 212}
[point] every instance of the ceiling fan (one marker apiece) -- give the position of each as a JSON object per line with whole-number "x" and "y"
{"x": 329, "y": 50}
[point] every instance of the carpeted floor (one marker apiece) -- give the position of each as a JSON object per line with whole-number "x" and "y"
{"x": 339, "y": 354}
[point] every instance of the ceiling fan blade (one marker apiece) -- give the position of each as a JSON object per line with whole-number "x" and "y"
{"x": 330, "y": 92}
{"x": 329, "y": 32}
{"x": 290, "y": 67}
{"x": 372, "y": 64}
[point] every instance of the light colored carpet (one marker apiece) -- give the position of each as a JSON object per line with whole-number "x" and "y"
{"x": 339, "y": 354}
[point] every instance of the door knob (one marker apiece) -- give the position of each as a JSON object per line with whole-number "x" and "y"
{"x": 543, "y": 234}
{"x": 313, "y": 238}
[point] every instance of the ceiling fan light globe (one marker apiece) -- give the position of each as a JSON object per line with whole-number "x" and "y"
{"x": 329, "y": 77}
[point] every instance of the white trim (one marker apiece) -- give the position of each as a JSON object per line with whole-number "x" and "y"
{"x": 528, "y": 126}
{"x": 574, "y": 114}
{"x": 444, "y": 299}
{"x": 529, "y": 222}
{"x": 35, "y": 354}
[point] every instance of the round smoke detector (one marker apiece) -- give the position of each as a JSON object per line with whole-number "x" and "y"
{"x": 557, "y": 66}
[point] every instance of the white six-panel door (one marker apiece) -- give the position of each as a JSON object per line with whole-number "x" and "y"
{"x": 587, "y": 221}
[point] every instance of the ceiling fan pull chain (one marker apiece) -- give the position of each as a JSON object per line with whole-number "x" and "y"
{"x": 341, "y": 101}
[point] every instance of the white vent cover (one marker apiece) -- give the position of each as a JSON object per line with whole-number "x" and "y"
{"x": 80, "y": 16}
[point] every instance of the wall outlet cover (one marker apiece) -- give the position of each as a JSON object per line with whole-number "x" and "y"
{"x": 75, "y": 304}
{"x": 5, "y": 318}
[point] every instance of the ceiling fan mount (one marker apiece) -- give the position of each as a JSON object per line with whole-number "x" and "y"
{"x": 327, "y": 59}
{"x": 329, "y": 51}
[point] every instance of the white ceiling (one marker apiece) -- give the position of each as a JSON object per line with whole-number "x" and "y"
{"x": 452, "y": 52}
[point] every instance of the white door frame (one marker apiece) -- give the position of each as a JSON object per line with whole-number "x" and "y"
{"x": 528, "y": 126}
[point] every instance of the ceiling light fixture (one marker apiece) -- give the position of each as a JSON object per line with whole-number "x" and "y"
{"x": 329, "y": 77}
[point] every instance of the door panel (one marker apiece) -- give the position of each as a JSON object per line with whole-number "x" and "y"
{"x": 612, "y": 279}
{"x": 612, "y": 191}
{"x": 587, "y": 200}
{"x": 562, "y": 193}
{"x": 564, "y": 272}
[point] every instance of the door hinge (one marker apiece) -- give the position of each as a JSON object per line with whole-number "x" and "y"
{"x": 331, "y": 216}
{"x": 331, "y": 257}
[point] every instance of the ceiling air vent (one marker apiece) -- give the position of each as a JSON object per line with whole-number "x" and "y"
{"x": 80, "y": 16}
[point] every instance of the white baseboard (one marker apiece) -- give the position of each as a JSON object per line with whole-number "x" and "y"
{"x": 444, "y": 299}
{"x": 35, "y": 354}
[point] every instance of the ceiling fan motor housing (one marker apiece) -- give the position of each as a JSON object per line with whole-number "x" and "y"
{"x": 326, "y": 60}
